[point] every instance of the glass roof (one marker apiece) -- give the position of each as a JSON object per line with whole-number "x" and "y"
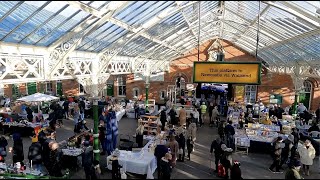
{"x": 288, "y": 30}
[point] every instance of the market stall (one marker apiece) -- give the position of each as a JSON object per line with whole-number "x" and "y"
{"x": 143, "y": 162}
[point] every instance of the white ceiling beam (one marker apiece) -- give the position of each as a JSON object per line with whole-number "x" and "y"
{"x": 301, "y": 11}
{"x": 85, "y": 8}
{"x": 187, "y": 21}
{"x": 293, "y": 12}
{"x": 113, "y": 6}
{"x": 307, "y": 34}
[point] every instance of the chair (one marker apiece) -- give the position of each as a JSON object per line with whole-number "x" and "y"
{"x": 125, "y": 143}
{"x": 314, "y": 134}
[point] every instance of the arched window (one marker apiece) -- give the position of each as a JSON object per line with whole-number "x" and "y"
{"x": 307, "y": 86}
{"x": 136, "y": 92}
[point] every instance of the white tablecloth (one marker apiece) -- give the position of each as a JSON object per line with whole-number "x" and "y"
{"x": 137, "y": 163}
{"x": 120, "y": 114}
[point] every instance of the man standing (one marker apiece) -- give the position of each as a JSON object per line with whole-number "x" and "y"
{"x": 216, "y": 146}
{"x": 203, "y": 108}
{"x": 229, "y": 132}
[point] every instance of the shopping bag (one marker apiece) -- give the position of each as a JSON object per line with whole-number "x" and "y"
{"x": 221, "y": 171}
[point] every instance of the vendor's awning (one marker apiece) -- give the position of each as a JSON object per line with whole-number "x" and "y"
{"x": 38, "y": 97}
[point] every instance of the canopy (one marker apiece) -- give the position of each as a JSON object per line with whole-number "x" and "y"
{"x": 38, "y": 97}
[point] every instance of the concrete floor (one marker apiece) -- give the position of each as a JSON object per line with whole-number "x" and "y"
{"x": 253, "y": 166}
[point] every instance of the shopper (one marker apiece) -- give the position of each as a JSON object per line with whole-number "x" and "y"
{"x": 114, "y": 126}
{"x": 139, "y": 134}
{"x": 190, "y": 120}
{"x": 35, "y": 155}
{"x": 29, "y": 114}
{"x": 163, "y": 119}
{"x": 221, "y": 130}
{"x": 102, "y": 136}
{"x": 296, "y": 136}
{"x": 174, "y": 147}
{"x": 172, "y": 114}
{"x": 76, "y": 117}
{"x": 159, "y": 152}
{"x": 226, "y": 159}
{"x": 182, "y": 116}
{"x": 276, "y": 155}
{"x": 211, "y": 107}
{"x": 17, "y": 150}
{"x": 191, "y": 137}
{"x": 66, "y": 108}
{"x": 165, "y": 168}
{"x": 55, "y": 160}
{"x": 182, "y": 144}
{"x": 318, "y": 114}
{"x": 216, "y": 146}
{"x": 229, "y": 132}
{"x": 293, "y": 171}
{"x": 287, "y": 149}
{"x": 87, "y": 159}
{"x": 307, "y": 154}
{"x": 115, "y": 165}
{"x": 108, "y": 141}
{"x": 214, "y": 113}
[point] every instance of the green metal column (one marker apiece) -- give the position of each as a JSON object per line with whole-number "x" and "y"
{"x": 147, "y": 95}
{"x": 96, "y": 150}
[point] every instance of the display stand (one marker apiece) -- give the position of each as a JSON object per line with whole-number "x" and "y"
{"x": 242, "y": 143}
{"x": 150, "y": 124}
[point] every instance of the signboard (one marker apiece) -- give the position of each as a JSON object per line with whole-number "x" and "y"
{"x": 227, "y": 72}
{"x": 153, "y": 77}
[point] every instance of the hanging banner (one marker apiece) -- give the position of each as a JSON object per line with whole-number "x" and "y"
{"x": 227, "y": 72}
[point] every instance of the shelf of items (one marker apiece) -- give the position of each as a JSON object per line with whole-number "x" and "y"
{"x": 150, "y": 124}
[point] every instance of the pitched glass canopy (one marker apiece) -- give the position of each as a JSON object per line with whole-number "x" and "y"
{"x": 288, "y": 30}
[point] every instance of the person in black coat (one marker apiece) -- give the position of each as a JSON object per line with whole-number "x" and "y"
{"x": 29, "y": 114}
{"x": 35, "y": 155}
{"x": 159, "y": 152}
{"x": 66, "y": 108}
{"x": 173, "y": 118}
{"x": 55, "y": 161}
{"x": 165, "y": 168}
{"x": 17, "y": 150}
{"x": 163, "y": 119}
{"x": 87, "y": 159}
{"x": 182, "y": 144}
{"x": 229, "y": 132}
{"x": 216, "y": 146}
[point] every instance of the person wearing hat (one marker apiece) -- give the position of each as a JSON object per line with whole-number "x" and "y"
{"x": 87, "y": 159}
{"x": 288, "y": 144}
{"x": 307, "y": 154}
{"x": 115, "y": 165}
{"x": 293, "y": 171}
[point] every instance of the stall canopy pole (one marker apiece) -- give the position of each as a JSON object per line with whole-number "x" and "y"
{"x": 96, "y": 150}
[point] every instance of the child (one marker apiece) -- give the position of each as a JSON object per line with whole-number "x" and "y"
{"x": 165, "y": 168}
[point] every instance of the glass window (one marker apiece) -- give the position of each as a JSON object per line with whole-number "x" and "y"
{"x": 136, "y": 92}
{"x": 81, "y": 89}
{"x": 121, "y": 86}
{"x": 49, "y": 86}
{"x": 250, "y": 93}
{"x": 162, "y": 94}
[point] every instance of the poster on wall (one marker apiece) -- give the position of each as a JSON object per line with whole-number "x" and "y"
{"x": 153, "y": 77}
{"x": 227, "y": 72}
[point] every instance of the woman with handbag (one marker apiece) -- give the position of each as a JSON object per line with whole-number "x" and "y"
{"x": 182, "y": 144}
